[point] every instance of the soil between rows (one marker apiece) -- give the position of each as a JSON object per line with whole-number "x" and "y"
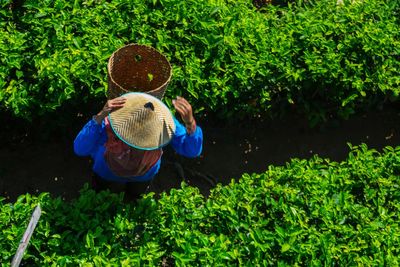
{"x": 228, "y": 152}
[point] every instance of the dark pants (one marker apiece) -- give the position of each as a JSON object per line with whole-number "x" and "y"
{"x": 133, "y": 190}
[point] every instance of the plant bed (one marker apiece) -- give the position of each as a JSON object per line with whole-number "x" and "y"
{"x": 318, "y": 58}
{"x": 308, "y": 212}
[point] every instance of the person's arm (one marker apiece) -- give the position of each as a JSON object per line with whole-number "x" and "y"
{"x": 185, "y": 144}
{"x": 88, "y": 137}
{"x": 188, "y": 139}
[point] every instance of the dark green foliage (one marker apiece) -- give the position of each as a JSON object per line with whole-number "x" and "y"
{"x": 308, "y": 213}
{"x": 229, "y": 58}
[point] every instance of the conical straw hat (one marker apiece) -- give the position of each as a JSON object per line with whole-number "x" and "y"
{"x": 144, "y": 122}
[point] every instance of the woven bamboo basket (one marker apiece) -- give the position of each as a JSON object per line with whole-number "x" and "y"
{"x": 138, "y": 68}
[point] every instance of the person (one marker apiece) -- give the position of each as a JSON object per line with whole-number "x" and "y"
{"x": 125, "y": 139}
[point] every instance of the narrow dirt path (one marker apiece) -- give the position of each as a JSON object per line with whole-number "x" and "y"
{"x": 228, "y": 152}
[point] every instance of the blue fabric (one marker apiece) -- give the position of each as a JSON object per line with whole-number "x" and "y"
{"x": 91, "y": 139}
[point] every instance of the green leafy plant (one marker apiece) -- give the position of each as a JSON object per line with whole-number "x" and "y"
{"x": 316, "y": 57}
{"x": 308, "y": 212}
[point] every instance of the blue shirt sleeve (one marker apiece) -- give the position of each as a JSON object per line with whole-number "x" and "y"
{"x": 188, "y": 145}
{"x": 87, "y": 140}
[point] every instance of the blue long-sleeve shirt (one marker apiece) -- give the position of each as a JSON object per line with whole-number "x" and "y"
{"x": 91, "y": 139}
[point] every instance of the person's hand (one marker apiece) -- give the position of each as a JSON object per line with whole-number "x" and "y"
{"x": 183, "y": 107}
{"x": 109, "y": 106}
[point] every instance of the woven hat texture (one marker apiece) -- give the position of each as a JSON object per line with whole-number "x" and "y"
{"x": 138, "y": 68}
{"x": 144, "y": 122}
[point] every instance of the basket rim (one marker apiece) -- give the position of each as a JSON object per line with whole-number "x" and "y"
{"x": 147, "y": 46}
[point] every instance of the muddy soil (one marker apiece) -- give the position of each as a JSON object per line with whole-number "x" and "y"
{"x": 229, "y": 151}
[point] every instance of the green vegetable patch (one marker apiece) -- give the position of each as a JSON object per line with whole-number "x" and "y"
{"x": 308, "y": 213}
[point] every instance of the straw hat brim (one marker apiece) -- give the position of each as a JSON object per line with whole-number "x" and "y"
{"x": 144, "y": 122}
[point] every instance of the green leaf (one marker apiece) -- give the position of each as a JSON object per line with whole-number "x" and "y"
{"x": 285, "y": 247}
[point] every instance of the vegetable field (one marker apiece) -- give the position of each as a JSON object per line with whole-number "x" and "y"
{"x": 244, "y": 66}
{"x": 229, "y": 58}
{"x": 309, "y": 212}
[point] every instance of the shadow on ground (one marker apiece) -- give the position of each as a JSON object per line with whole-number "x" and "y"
{"x": 228, "y": 152}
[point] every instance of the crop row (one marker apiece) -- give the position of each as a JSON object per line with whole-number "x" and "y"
{"x": 308, "y": 213}
{"x": 228, "y": 57}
